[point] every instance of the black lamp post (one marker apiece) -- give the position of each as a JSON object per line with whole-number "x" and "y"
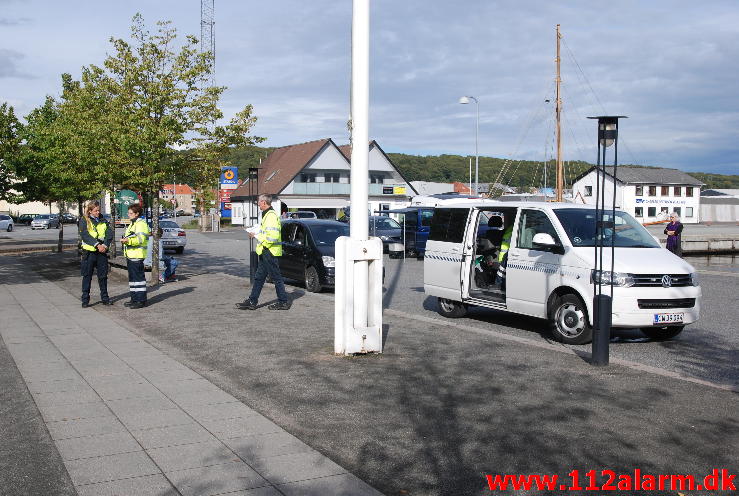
{"x": 603, "y": 303}
{"x": 253, "y": 179}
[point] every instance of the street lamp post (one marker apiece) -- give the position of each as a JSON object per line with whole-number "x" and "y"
{"x": 465, "y": 100}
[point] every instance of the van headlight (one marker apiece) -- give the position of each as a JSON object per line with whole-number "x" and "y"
{"x": 694, "y": 279}
{"x": 328, "y": 261}
{"x": 620, "y": 279}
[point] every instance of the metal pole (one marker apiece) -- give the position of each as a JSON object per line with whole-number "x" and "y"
{"x": 477, "y": 132}
{"x": 358, "y": 221}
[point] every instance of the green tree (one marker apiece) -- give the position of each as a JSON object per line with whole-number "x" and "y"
{"x": 10, "y": 147}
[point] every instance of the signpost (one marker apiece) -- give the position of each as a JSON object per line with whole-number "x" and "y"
{"x": 229, "y": 182}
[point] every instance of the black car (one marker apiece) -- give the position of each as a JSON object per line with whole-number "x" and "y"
{"x": 68, "y": 218}
{"x": 387, "y": 229}
{"x": 308, "y": 251}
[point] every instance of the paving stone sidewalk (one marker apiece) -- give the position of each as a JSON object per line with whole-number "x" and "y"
{"x": 127, "y": 419}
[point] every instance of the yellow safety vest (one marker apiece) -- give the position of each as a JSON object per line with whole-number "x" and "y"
{"x": 506, "y": 243}
{"x": 270, "y": 234}
{"x": 138, "y": 239}
{"x": 97, "y": 231}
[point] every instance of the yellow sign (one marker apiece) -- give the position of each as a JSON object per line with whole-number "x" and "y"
{"x": 398, "y": 190}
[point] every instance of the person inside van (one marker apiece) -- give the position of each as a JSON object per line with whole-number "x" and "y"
{"x": 503, "y": 253}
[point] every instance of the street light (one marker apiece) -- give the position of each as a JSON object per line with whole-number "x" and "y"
{"x": 464, "y": 101}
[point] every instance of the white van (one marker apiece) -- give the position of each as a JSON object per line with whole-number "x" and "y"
{"x": 549, "y": 271}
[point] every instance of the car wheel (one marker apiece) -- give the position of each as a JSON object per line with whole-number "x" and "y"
{"x": 451, "y": 309}
{"x": 48, "y": 226}
{"x": 312, "y": 283}
{"x": 179, "y": 249}
{"x": 411, "y": 253}
{"x": 10, "y": 227}
{"x": 569, "y": 320}
{"x": 59, "y": 225}
{"x": 662, "y": 333}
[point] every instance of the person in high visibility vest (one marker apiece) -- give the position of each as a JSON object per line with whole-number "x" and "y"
{"x": 135, "y": 241}
{"x": 503, "y": 253}
{"x": 95, "y": 238}
{"x": 269, "y": 247}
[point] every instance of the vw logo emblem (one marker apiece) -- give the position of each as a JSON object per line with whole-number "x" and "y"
{"x": 666, "y": 281}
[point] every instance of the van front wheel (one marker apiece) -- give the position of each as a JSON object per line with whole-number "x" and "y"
{"x": 451, "y": 309}
{"x": 569, "y": 320}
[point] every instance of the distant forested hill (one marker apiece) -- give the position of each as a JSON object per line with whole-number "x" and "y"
{"x": 449, "y": 168}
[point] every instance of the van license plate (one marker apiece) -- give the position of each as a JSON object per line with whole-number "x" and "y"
{"x": 667, "y": 318}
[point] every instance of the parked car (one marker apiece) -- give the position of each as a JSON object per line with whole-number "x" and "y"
{"x": 25, "y": 219}
{"x": 180, "y": 212}
{"x": 6, "y": 222}
{"x": 416, "y": 223}
{"x": 173, "y": 236}
{"x": 69, "y": 218}
{"x": 308, "y": 251}
{"x": 302, "y": 214}
{"x": 387, "y": 229}
{"x": 46, "y": 221}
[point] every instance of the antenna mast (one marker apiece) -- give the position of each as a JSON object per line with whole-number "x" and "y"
{"x": 208, "y": 35}
{"x": 560, "y": 171}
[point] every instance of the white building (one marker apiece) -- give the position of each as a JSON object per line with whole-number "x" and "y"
{"x": 647, "y": 193}
{"x": 315, "y": 176}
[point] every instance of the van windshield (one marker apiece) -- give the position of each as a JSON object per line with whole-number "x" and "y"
{"x": 579, "y": 224}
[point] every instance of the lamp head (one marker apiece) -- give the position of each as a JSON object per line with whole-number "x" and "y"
{"x": 464, "y": 100}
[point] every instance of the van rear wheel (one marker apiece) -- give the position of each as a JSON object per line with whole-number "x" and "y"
{"x": 451, "y": 309}
{"x": 662, "y": 333}
{"x": 569, "y": 320}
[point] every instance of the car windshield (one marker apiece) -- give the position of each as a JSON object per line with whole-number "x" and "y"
{"x": 384, "y": 223}
{"x": 168, "y": 224}
{"x": 327, "y": 234}
{"x": 623, "y": 229}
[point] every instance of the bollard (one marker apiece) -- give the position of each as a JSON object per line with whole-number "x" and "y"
{"x": 253, "y": 262}
{"x": 601, "y": 330}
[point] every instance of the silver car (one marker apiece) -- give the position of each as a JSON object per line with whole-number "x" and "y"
{"x": 6, "y": 222}
{"x": 173, "y": 236}
{"x": 45, "y": 221}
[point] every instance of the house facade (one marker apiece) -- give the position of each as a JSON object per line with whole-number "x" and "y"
{"x": 315, "y": 176}
{"x": 182, "y": 194}
{"x": 650, "y": 194}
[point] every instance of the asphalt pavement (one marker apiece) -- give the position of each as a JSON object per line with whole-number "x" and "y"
{"x": 444, "y": 405}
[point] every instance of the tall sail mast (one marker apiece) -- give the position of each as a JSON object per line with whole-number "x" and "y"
{"x": 560, "y": 171}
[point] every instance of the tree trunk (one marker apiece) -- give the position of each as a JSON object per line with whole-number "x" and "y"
{"x": 60, "y": 243}
{"x": 203, "y": 223}
{"x": 112, "y": 247}
{"x": 155, "y": 237}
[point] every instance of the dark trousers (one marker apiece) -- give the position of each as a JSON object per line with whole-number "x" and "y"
{"x": 89, "y": 262}
{"x": 268, "y": 265}
{"x": 136, "y": 280}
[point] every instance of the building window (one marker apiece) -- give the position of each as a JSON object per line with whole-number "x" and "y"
{"x": 307, "y": 178}
{"x": 588, "y": 191}
{"x": 689, "y": 212}
{"x": 651, "y": 211}
{"x": 678, "y": 211}
{"x": 689, "y": 191}
{"x": 664, "y": 210}
{"x": 640, "y": 191}
{"x": 331, "y": 177}
{"x": 677, "y": 191}
{"x": 639, "y": 212}
{"x": 653, "y": 191}
{"x": 665, "y": 191}
{"x": 376, "y": 178}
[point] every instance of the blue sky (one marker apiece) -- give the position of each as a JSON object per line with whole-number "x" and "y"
{"x": 671, "y": 66}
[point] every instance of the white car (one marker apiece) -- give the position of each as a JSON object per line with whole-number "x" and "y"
{"x": 6, "y": 222}
{"x": 173, "y": 236}
{"x": 550, "y": 269}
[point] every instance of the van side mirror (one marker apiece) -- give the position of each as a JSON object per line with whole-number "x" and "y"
{"x": 545, "y": 242}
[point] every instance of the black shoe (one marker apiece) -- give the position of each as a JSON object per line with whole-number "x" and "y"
{"x": 85, "y": 304}
{"x": 280, "y": 305}
{"x": 137, "y": 304}
{"x": 106, "y": 302}
{"x": 247, "y": 304}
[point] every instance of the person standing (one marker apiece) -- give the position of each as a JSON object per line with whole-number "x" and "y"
{"x": 135, "y": 241}
{"x": 269, "y": 247}
{"x": 95, "y": 236}
{"x": 673, "y": 230}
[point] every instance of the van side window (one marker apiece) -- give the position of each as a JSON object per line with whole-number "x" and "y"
{"x": 448, "y": 224}
{"x": 534, "y": 222}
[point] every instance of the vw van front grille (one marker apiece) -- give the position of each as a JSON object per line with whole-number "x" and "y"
{"x": 655, "y": 280}
{"x": 674, "y": 303}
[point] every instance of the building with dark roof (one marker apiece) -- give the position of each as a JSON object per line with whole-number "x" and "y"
{"x": 650, "y": 194}
{"x": 315, "y": 176}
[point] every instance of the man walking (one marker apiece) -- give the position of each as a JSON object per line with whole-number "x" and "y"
{"x": 269, "y": 247}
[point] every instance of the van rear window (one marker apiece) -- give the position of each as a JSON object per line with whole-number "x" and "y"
{"x": 448, "y": 224}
